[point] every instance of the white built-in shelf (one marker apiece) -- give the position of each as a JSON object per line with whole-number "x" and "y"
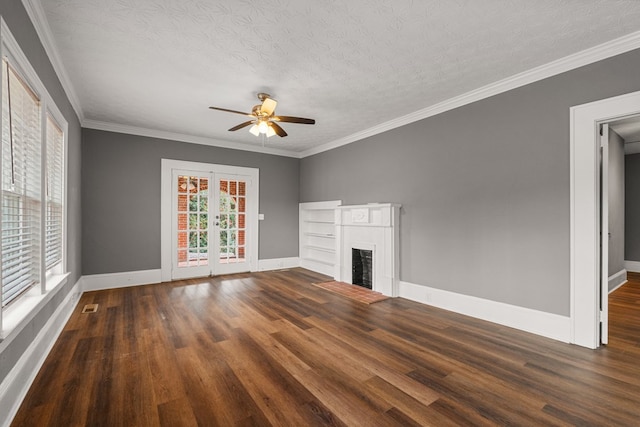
{"x": 317, "y": 236}
{"x": 313, "y": 260}
{"x": 321, "y": 249}
{"x": 326, "y": 236}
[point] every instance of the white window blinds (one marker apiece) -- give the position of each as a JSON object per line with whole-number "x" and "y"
{"x": 54, "y": 183}
{"x": 21, "y": 184}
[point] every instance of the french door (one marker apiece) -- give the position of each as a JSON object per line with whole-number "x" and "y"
{"x": 212, "y": 222}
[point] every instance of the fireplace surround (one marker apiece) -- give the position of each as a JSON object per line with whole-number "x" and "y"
{"x": 372, "y": 227}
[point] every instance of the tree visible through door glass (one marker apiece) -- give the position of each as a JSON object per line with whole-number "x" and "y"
{"x": 232, "y": 222}
{"x": 193, "y": 241}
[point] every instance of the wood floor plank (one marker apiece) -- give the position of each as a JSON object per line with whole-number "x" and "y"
{"x": 166, "y": 383}
{"x": 176, "y": 413}
{"x": 416, "y": 409}
{"x": 278, "y": 394}
{"x": 271, "y": 349}
{"x": 352, "y": 409}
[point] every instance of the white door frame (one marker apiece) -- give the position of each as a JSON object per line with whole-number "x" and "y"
{"x": 167, "y": 166}
{"x": 603, "y": 303}
{"x": 584, "y": 211}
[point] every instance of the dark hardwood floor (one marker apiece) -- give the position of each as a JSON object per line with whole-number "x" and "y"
{"x": 271, "y": 349}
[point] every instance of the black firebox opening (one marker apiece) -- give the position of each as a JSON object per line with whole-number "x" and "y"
{"x": 361, "y": 270}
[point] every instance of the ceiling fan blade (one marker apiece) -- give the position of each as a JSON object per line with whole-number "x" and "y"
{"x": 268, "y": 106}
{"x": 241, "y": 125}
{"x": 289, "y": 119}
{"x": 231, "y": 111}
{"x": 279, "y": 131}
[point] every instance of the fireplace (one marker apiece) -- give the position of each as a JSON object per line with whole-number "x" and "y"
{"x": 362, "y": 267}
{"x": 367, "y": 237}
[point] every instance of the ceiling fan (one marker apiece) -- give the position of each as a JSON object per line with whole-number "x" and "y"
{"x": 263, "y": 119}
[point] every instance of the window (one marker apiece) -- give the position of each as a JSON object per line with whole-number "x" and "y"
{"x": 54, "y": 196}
{"x": 32, "y": 185}
{"x": 21, "y": 184}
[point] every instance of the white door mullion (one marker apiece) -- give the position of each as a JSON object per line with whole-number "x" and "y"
{"x": 214, "y": 238}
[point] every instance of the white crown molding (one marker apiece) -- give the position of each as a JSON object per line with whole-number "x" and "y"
{"x": 174, "y": 136}
{"x": 38, "y": 18}
{"x": 568, "y": 63}
{"x": 588, "y": 56}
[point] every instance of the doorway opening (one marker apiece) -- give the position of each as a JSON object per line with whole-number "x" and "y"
{"x": 586, "y": 260}
{"x": 209, "y": 219}
{"x": 620, "y": 248}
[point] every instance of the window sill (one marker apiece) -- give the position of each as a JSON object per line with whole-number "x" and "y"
{"x": 23, "y": 310}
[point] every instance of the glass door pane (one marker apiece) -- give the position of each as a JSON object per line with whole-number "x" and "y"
{"x": 232, "y": 232}
{"x": 191, "y": 227}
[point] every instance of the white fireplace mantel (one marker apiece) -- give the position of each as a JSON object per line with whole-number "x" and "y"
{"x": 374, "y": 227}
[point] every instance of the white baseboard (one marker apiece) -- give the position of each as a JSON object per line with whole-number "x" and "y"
{"x": 617, "y": 280}
{"x": 96, "y": 282}
{"x": 318, "y": 267}
{"x": 278, "y": 263}
{"x": 537, "y": 322}
{"x": 15, "y": 386}
{"x": 632, "y": 266}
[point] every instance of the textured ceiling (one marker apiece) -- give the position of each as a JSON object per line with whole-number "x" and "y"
{"x": 158, "y": 64}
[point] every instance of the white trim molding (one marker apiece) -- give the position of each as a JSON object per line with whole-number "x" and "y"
{"x": 584, "y": 211}
{"x": 536, "y": 322}
{"x": 278, "y": 263}
{"x": 617, "y": 280}
{"x": 38, "y": 18}
{"x": 600, "y": 52}
{"x": 588, "y": 56}
{"x": 97, "y": 282}
{"x": 175, "y": 136}
{"x": 632, "y": 266}
{"x": 15, "y": 386}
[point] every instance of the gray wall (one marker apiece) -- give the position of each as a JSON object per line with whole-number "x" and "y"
{"x": 632, "y": 207}
{"x": 121, "y": 198}
{"x": 484, "y": 188}
{"x": 616, "y": 203}
{"x": 20, "y": 25}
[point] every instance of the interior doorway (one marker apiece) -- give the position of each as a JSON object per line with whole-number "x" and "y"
{"x": 586, "y": 261}
{"x": 620, "y": 249}
{"x": 209, "y": 219}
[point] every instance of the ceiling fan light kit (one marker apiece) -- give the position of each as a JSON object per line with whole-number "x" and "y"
{"x": 262, "y": 127}
{"x": 263, "y": 118}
